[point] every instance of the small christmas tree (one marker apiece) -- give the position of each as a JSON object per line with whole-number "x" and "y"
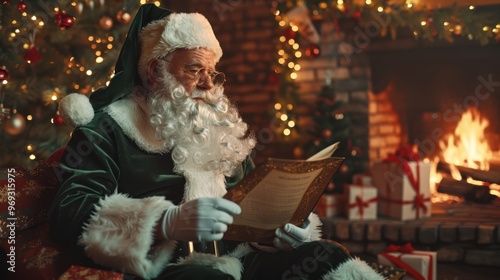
{"x": 332, "y": 125}
{"x": 49, "y": 49}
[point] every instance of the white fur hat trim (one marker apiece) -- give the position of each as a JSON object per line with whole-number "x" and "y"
{"x": 176, "y": 31}
{"x": 76, "y": 110}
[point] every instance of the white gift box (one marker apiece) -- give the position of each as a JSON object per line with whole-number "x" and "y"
{"x": 399, "y": 196}
{"x": 330, "y": 205}
{"x": 362, "y": 179}
{"x": 423, "y": 262}
{"x": 361, "y": 202}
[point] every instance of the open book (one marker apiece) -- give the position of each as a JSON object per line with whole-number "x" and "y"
{"x": 277, "y": 192}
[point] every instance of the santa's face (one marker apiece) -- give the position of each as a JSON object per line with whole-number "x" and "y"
{"x": 201, "y": 128}
{"x": 192, "y": 68}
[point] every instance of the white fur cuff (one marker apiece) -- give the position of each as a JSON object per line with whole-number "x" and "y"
{"x": 315, "y": 232}
{"x": 353, "y": 269}
{"x": 120, "y": 234}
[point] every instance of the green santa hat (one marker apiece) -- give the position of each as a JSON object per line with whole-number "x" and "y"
{"x": 154, "y": 33}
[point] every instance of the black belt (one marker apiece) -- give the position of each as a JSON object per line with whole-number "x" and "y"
{"x": 217, "y": 248}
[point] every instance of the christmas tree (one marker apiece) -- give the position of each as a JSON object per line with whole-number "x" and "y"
{"x": 330, "y": 125}
{"x": 49, "y": 49}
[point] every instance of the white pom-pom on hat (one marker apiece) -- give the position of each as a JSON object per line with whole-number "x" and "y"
{"x": 76, "y": 110}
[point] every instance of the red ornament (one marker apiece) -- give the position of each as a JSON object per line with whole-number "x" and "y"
{"x": 57, "y": 120}
{"x": 6, "y": 3}
{"x": 289, "y": 33}
{"x": 356, "y": 15}
{"x": 21, "y": 6}
{"x": 327, "y": 133}
{"x": 64, "y": 20}
{"x": 346, "y": 9}
{"x": 32, "y": 56}
{"x": 4, "y": 73}
{"x": 312, "y": 51}
{"x": 273, "y": 79}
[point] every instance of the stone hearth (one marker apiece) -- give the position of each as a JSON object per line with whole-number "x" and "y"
{"x": 459, "y": 232}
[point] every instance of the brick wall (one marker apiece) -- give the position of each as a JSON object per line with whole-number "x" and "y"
{"x": 384, "y": 126}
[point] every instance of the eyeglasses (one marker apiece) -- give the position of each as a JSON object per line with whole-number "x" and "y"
{"x": 217, "y": 78}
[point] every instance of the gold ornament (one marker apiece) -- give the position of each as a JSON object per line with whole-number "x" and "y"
{"x": 123, "y": 16}
{"x": 106, "y": 23}
{"x": 14, "y": 124}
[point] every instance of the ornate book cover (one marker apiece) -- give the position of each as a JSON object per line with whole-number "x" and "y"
{"x": 277, "y": 192}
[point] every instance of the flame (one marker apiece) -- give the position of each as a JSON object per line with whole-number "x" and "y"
{"x": 467, "y": 146}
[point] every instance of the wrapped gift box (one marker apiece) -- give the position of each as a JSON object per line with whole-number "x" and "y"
{"x": 418, "y": 264}
{"x": 403, "y": 189}
{"x": 361, "y": 202}
{"x": 362, "y": 179}
{"x": 330, "y": 205}
{"x": 76, "y": 272}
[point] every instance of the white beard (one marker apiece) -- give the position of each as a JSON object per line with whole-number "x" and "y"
{"x": 207, "y": 139}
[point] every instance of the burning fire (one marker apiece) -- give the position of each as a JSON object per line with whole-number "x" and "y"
{"x": 467, "y": 146}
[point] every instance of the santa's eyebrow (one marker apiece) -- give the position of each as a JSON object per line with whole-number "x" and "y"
{"x": 200, "y": 66}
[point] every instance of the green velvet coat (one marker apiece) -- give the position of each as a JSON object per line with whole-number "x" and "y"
{"x": 101, "y": 160}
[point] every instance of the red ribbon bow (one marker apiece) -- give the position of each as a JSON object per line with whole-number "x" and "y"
{"x": 406, "y": 249}
{"x": 361, "y": 204}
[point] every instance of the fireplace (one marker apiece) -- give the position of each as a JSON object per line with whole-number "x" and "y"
{"x": 429, "y": 89}
{"x": 443, "y": 100}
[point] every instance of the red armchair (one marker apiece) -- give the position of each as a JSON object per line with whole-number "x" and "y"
{"x": 24, "y": 231}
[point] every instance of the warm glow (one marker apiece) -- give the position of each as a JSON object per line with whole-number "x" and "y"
{"x": 467, "y": 146}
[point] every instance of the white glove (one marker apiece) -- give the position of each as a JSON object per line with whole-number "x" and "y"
{"x": 292, "y": 236}
{"x": 202, "y": 219}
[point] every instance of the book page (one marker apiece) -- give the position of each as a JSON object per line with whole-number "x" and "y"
{"x": 325, "y": 153}
{"x": 277, "y": 192}
{"x": 274, "y": 199}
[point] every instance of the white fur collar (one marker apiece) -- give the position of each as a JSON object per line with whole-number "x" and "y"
{"x": 134, "y": 122}
{"x": 130, "y": 115}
